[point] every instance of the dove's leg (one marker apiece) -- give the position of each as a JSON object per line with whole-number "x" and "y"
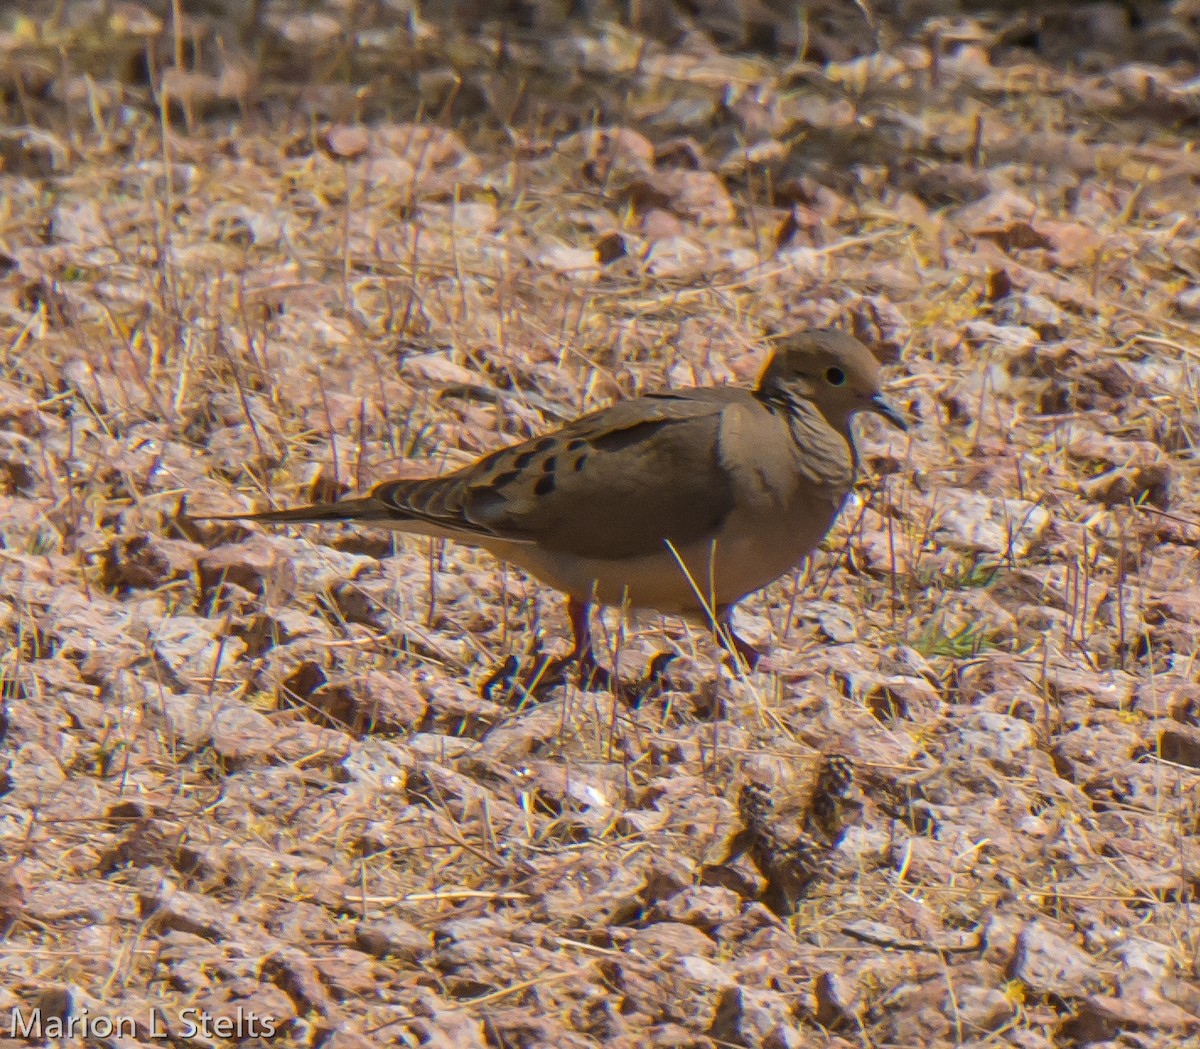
{"x": 547, "y": 673}
{"x": 591, "y": 673}
{"x": 728, "y": 636}
{"x": 579, "y": 613}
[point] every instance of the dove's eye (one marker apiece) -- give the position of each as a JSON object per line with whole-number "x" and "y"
{"x": 835, "y": 376}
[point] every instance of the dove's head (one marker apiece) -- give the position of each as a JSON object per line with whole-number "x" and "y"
{"x": 830, "y": 369}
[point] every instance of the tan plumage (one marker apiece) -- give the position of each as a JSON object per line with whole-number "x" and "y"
{"x": 739, "y": 485}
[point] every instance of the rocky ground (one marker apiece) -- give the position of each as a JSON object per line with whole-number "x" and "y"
{"x": 252, "y": 258}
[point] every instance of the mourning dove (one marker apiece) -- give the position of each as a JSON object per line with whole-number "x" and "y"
{"x": 683, "y": 501}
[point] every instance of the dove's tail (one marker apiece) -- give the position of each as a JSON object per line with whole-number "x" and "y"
{"x": 366, "y": 509}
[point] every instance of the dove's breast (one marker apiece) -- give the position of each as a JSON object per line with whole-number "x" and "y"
{"x": 748, "y": 555}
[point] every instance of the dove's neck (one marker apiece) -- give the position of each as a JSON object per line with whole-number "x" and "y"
{"x": 825, "y": 452}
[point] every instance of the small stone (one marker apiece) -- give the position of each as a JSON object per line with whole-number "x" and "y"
{"x": 1051, "y": 964}
{"x": 1187, "y": 303}
{"x": 347, "y": 141}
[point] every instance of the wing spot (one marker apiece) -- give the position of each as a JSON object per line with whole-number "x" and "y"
{"x": 550, "y": 464}
{"x": 578, "y": 464}
{"x": 501, "y": 479}
{"x": 545, "y": 485}
{"x": 575, "y": 443}
{"x": 617, "y": 440}
{"x": 544, "y": 443}
{"x": 524, "y": 459}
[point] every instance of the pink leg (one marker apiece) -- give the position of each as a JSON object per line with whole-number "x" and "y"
{"x": 581, "y": 631}
{"x": 548, "y": 672}
{"x": 591, "y": 673}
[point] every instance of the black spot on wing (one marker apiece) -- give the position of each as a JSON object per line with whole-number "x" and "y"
{"x": 505, "y": 478}
{"x": 618, "y": 440}
{"x": 524, "y": 459}
{"x": 549, "y": 466}
{"x": 545, "y": 485}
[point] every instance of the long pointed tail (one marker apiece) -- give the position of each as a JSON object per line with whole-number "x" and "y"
{"x": 365, "y": 508}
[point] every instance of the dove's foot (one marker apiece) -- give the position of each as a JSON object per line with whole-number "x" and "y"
{"x": 516, "y": 680}
{"x": 651, "y": 685}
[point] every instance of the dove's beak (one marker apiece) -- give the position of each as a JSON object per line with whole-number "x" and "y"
{"x": 880, "y": 406}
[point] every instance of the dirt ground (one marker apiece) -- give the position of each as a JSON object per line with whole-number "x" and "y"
{"x": 250, "y": 786}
